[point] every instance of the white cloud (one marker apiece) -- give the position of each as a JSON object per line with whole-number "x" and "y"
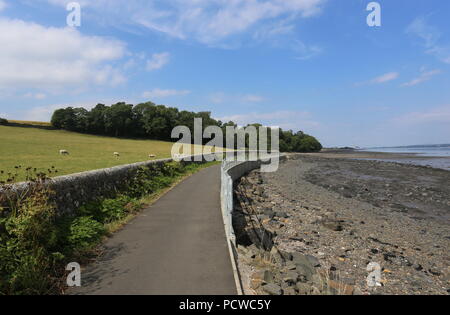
{"x": 208, "y": 21}
{"x": 295, "y": 120}
{"x": 35, "y": 56}
{"x": 385, "y": 78}
{"x": 431, "y": 39}
{"x": 158, "y": 61}
{"x": 217, "y": 98}
{"x": 252, "y": 98}
{"x": 3, "y": 5}
{"x": 431, "y": 116}
{"x": 41, "y": 113}
{"x": 159, "y": 93}
{"x": 221, "y": 97}
{"x": 45, "y": 112}
{"x": 390, "y": 76}
{"x": 424, "y": 76}
{"x": 38, "y": 96}
{"x": 305, "y": 52}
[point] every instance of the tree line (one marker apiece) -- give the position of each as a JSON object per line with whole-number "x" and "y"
{"x": 156, "y": 122}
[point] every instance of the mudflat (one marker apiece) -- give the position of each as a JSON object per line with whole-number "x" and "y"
{"x": 348, "y": 213}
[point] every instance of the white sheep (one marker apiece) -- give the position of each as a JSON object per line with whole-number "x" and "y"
{"x": 151, "y": 156}
{"x": 64, "y": 152}
{"x": 116, "y": 154}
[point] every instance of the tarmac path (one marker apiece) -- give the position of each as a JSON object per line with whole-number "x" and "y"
{"x": 177, "y": 246}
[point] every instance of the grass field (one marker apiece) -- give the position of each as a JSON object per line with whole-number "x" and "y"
{"x": 39, "y": 148}
{"x": 31, "y": 123}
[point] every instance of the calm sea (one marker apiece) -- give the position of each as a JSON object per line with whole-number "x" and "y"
{"x": 442, "y": 152}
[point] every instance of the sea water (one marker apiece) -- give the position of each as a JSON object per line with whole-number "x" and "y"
{"x": 440, "y": 154}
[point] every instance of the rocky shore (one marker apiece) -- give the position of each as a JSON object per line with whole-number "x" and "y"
{"x": 316, "y": 225}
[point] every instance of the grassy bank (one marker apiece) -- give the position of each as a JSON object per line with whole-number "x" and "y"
{"x": 36, "y": 245}
{"x": 30, "y": 123}
{"x": 40, "y": 148}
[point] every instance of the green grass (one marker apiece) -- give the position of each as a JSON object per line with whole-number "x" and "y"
{"x": 30, "y": 123}
{"x": 39, "y": 148}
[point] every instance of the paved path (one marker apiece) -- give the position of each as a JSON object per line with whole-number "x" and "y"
{"x": 176, "y": 246}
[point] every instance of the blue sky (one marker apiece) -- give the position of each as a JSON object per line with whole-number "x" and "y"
{"x": 312, "y": 65}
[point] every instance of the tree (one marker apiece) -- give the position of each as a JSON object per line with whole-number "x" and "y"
{"x": 96, "y": 120}
{"x": 118, "y": 119}
{"x": 64, "y": 119}
{"x": 148, "y": 120}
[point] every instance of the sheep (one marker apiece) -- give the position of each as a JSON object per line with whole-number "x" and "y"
{"x": 151, "y": 156}
{"x": 116, "y": 154}
{"x": 64, "y": 152}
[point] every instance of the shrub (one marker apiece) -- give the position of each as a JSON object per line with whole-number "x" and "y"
{"x": 3, "y": 121}
{"x": 27, "y": 243}
{"x": 84, "y": 233}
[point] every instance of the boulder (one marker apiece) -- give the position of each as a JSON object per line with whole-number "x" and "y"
{"x": 303, "y": 266}
{"x": 303, "y": 288}
{"x": 290, "y": 277}
{"x": 272, "y": 289}
{"x": 289, "y": 291}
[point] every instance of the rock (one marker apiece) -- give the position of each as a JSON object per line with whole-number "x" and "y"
{"x": 357, "y": 291}
{"x": 434, "y": 271}
{"x": 272, "y": 289}
{"x": 290, "y": 266}
{"x": 276, "y": 256}
{"x": 289, "y": 291}
{"x": 304, "y": 272}
{"x": 268, "y": 276}
{"x": 303, "y": 266}
{"x": 269, "y": 212}
{"x": 317, "y": 281}
{"x": 315, "y": 291}
{"x": 250, "y": 255}
{"x": 255, "y": 283}
{"x": 287, "y": 256}
{"x": 290, "y": 277}
{"x": 313, "y": 260}
{"x": 263, "y": 217}
{"x": 418, "y": 267}
{"x": 340, "y": 288}
{"x": 281, "y": 214}
{"x": 304, "y": 288}
{"x": 265, "y": 276}
{"x": 333, "y": 225}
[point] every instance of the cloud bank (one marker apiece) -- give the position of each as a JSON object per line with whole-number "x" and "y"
{"x": 34, "y": 56}
{"x": 207, "y": 21}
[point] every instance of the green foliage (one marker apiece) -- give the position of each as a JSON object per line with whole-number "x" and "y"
{"x": 147, "y": 120}
{"x": 298, "y": 142}
{"x": 84, "y": 233}
{"x": 110, "y": 210}
{"x": 3, "y": 121}
{"x": 28, "y": 237}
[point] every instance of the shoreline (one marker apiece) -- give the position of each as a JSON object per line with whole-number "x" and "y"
{"x": 346, "y": 213}
{"x": 439, "y": 162}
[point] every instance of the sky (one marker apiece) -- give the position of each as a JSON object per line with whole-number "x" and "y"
{"x": 311, "y": 65}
